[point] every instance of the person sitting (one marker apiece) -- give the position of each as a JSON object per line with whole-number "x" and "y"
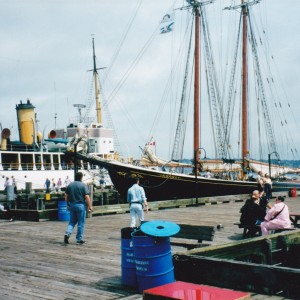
{"x": 253, "y": 213}
{"x": 278, "y": 217}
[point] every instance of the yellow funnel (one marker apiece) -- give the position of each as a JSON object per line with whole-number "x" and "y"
{"x": 5, "y": 134}
{"x": 26, "y": 122}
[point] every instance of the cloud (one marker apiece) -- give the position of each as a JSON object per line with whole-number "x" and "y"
{"x": 46, "y": 50}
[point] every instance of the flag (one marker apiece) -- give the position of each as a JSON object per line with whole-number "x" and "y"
{"x": 167, "y": 24}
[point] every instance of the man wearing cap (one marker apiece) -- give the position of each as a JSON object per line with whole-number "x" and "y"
{"x": 136, "y": 198}
{"x": 278, "y": 217}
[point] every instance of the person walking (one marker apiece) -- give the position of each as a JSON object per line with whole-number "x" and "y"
{"x": 267, "y": 186}
{"x": 260, "y": 182}
{"x": 47, "y": 185}
{"x": 67, "y": 181}
{"x": 53, "y": 188}
{"x": 278, "y": 217}
{"x": 59, "y": 184}
{"x": 10, "y": 193}
{"x": 77, "y": 198}
{"x": 136, "y": 198}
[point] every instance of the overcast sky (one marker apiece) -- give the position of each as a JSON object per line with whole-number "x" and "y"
{"x": 46, "y": 50}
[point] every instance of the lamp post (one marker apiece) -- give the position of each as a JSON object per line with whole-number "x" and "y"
{"x": 269, "y": 159}
{"x": 75, "y": 159}
{"x": 196, "y": 162}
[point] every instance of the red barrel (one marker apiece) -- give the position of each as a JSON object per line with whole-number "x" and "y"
{"x": 293, "y": 192}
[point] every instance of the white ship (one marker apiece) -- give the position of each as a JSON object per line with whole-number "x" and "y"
{"x": 33, "y": 158}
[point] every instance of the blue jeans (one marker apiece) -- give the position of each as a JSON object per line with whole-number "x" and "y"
{"x": 77, "y": 215}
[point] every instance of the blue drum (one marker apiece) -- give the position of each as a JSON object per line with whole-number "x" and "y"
{"x": 153, "y": 257}
{"x": 128, "y": 271}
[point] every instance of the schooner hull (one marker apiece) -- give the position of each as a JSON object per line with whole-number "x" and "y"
{"x": 161, "y": 185}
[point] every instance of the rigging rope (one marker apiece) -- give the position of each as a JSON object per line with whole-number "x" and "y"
{"x": 123, "y": 38}
{"x": 180, "y": 130}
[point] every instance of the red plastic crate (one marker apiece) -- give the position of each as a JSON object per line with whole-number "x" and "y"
{"x": 188, "y": 291}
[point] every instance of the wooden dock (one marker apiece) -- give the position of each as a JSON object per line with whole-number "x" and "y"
{"x": 36, "y": 264}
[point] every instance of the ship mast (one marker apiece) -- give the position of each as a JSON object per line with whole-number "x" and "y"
{"x": 244, "y": 7}
{"x": 97, "y": 91}
{"x": 244, "y": 85}
{"x": 195, "y": 4}
{"x": 197, "y": 85}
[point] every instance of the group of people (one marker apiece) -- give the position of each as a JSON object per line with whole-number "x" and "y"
{"x": 10, "y": 189}
{"x": 52, "y": 187}
{"x": 264, "y": 184}
{"x": 259, "y": 215}
{"x": 78, "y": 201}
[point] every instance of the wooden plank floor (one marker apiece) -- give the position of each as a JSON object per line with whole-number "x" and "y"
{"x": 36, "y": 264}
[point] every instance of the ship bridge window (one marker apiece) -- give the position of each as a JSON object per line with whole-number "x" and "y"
{"x": 10, "y": 161}
{"x": 55, "y": 162}
{"x": 66, "y": 162}
{"x": 26, "y": 161}
{"x": 47, "y": 161}
{"x": 38, "y": 161}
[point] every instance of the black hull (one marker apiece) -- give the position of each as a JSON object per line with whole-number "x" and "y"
{"x": 160, "y": 185}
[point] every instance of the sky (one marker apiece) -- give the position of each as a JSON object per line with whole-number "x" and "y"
{"x": 46, "y": 50}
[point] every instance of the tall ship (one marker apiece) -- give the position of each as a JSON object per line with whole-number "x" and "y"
{"x": 166, "y": 179}
{"x": 34, "y": 158}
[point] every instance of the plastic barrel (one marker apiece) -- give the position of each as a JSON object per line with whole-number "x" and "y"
{"x": 153, "y": 258}
{"x": 63, "y": 213}
{"x": 128, "y": 261}
{"x": 293, "y": 192}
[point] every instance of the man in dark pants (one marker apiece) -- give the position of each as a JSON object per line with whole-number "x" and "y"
{"x": 253, "y": 213}
{"x": 77, "y": 198}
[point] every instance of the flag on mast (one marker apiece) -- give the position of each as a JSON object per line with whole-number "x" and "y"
{"x": 167, "y": 24}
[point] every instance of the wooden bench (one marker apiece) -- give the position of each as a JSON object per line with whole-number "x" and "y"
{"x": 295, "y": 217}
{"x": 282, "y": 230}
{"x": 247, "y": 229}
{"x": 193, "y": 232}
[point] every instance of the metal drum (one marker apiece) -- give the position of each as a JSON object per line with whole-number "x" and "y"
{"x": 153, "y": 257}
{"x": 128, "y": 261}
{"x": 63, "y": 213}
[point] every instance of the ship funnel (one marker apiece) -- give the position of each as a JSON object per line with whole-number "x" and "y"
{"x": 26, "y": 122}
{"x": 52, "y": 134}
{"x": 5, "y": 134}
{"x": 39, "y": 137}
